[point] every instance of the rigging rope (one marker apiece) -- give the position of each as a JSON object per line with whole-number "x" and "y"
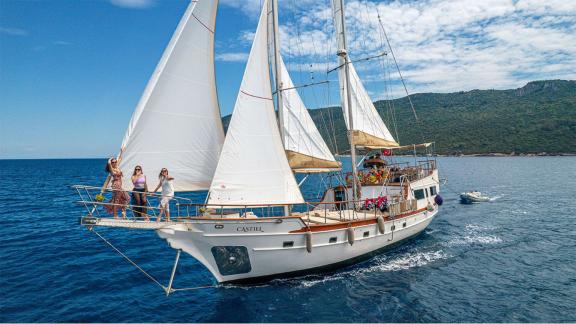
{"x": 396, "y": 63}
{"x": 149, "y": 276}
{"x": 129, "y": 260}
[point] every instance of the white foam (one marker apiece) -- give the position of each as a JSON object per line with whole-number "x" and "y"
{"x": 471, "y": 239}
{"x": 410, "y": 260}
{"x": 385, "y": 264}
{"x": 496, "y": 198}
{"x": 476, "y": 234}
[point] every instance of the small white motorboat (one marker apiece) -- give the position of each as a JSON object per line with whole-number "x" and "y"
{"x": 473, "y": 197}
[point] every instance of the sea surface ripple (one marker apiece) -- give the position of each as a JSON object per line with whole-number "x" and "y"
{"x": 512, "y": 259}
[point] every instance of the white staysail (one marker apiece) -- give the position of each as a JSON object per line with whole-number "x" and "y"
{"x": 305, "y": 148}
{"x": 368, "y": 128}
{"x": 253, "y": 169}
{"x": 177, "y": 122}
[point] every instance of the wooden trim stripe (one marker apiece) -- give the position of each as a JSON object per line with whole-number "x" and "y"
{"x": 356, "y": 223}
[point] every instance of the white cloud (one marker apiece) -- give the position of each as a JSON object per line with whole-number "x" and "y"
{"x": 232, "y": 57}
{"x": 443, "y": 45}
{"x": 61, "y": 43}
{"x": 440, "y": 45}
{"x": 133, "y": 4}
{"x": 247, "y": 36}
{"x": 251, "y": 8}
{"x": 13, "y": 31}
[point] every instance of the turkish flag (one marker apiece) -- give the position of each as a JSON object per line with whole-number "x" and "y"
{"x": 387, "y": 152}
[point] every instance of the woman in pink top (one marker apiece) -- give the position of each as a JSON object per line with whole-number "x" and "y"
{"x": 139, "y": 193}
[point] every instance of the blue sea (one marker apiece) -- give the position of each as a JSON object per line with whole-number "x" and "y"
{"x": 512, "y": 259}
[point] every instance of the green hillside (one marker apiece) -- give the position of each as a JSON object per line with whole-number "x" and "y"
{"x": 539, "y": 117}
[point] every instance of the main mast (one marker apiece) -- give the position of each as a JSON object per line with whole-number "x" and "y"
{"x": 343, "y": 54}
{"x": 278, "y": 81}
{"x": 278, "y": 77}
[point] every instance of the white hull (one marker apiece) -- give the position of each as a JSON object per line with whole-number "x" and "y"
{"x": 263, "y": 254}
{"x": 241, "y": 247}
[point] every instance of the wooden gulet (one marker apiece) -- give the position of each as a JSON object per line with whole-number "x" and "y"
{"x": 255, "y": 224}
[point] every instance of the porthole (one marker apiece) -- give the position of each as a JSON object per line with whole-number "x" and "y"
{"x": 332, "y": 240}
{"x": 288, "y": 244}
{"x": 366, "y": 234}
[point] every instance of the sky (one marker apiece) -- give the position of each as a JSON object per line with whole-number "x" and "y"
{"x": 72, "y": 71}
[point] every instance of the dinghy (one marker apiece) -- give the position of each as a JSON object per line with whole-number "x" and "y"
{"x": 471, "y": 197}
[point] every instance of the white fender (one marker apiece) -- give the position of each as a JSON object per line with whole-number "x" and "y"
{"x": 380, "y": 224}
{"x": 350, "y": 235}
{"x": 309, "y": 242}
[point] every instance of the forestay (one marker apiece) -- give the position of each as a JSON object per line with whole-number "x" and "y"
{"x": 368, "y": 128}
{"x": 304, "y": 145}
{"x": 177, "y": 122}
{"x": 253, "y": 169}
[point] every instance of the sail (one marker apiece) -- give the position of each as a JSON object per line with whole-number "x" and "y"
{"x": 367, "y": 129}
{"x": 177, "y": 124}
{"x": 253, "y": 169}
{"x": 304, "y": 145}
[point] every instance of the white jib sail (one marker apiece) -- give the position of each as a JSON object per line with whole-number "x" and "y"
{"x": 305, "y": 146}
{"x": 368, "y": 127}
{"x": 177, "y": 123}
{"x": 253, "y": 169}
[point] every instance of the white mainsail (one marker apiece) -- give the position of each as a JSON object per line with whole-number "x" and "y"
{"x": 177, "y": 123}
{"x": 253, "y": 169}
{"x": 305, "y": 148}
{"x": 368, "y": 128}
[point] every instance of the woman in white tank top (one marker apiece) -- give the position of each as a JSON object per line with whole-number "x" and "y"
{"x": 167, "y": 193}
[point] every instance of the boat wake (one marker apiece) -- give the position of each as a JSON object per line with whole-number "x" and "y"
{"x": 380, "y": 264}
{"x": 476, "y": 234}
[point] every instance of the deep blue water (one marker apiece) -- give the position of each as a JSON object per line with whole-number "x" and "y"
{"x": 509, "y": 260}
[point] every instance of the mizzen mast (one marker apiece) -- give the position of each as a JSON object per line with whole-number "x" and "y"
{"x": 344, "y": 61}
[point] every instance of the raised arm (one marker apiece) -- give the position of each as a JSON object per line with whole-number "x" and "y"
{"x": 158, "y": 186}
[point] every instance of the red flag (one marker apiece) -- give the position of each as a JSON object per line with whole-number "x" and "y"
{"x": 387, "y": 152}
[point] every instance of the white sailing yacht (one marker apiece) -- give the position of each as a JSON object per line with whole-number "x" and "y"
{"x": 256, "y": 224}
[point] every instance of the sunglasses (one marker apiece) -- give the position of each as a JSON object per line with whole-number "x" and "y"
{"x": 138, "y": 169}
{"x": 113, "y": 162}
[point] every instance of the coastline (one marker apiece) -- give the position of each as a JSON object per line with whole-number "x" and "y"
{"x": 542, "y": 154}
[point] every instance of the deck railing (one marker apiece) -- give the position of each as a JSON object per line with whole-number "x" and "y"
{"x": 94, "y": 199}
{"x": 393, "y": 172}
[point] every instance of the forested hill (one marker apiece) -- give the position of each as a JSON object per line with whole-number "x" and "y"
{"x": 539, "y": 117}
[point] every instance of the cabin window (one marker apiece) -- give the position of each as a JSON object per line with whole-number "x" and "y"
{"x": 419, "y": 194}
{"x": 332, "y": 240}
{"x": 366, "y": 234}
{"x": 427, "y": 194}
{"x": 288, "y": 244}
{"x": 433, "y": 190}
{"x": 403, "y": 224}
